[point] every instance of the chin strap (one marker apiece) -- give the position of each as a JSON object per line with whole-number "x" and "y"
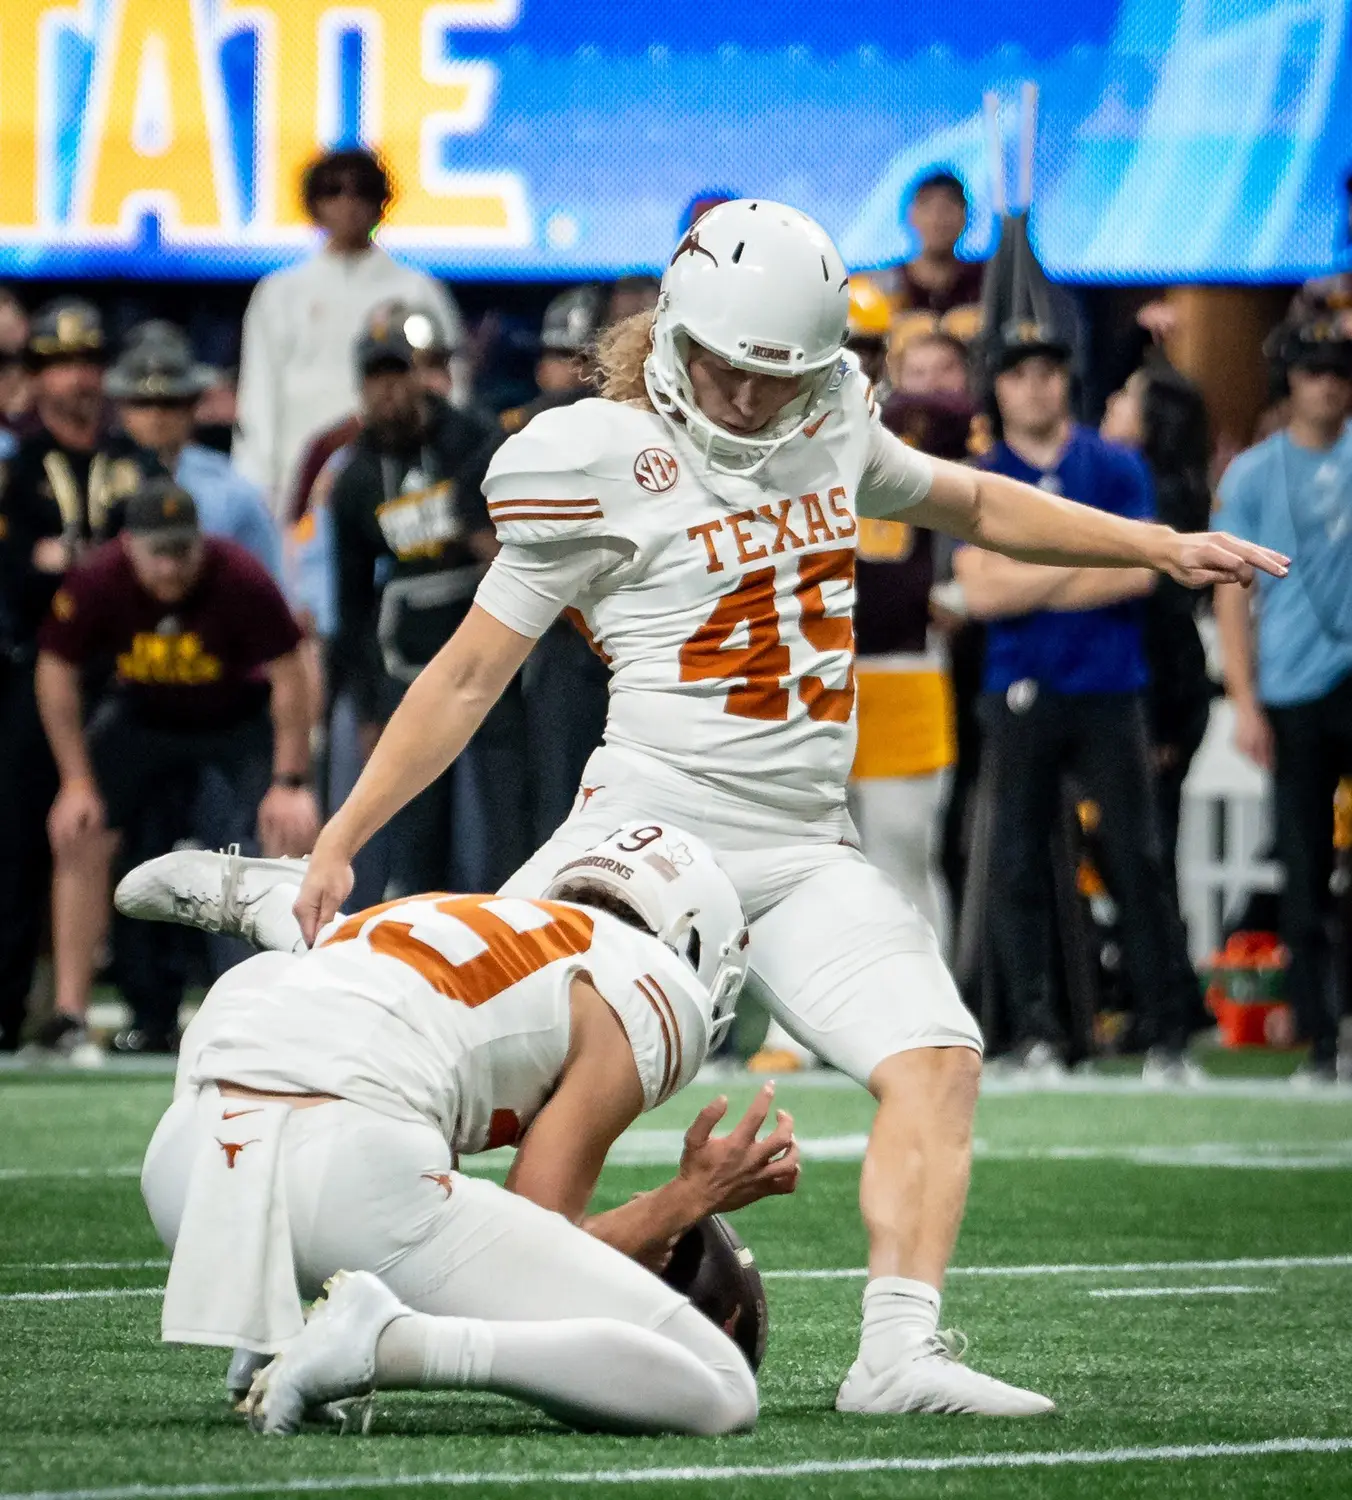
{"x": 676, "y": 929}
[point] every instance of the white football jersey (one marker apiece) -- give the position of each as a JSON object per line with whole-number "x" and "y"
{"x": 726, "y": 617}
{"x": 453, "y": 1010}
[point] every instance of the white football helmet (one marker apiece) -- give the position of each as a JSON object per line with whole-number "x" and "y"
{"x": 761, "y": 285}
{"x": 672, "y": 881}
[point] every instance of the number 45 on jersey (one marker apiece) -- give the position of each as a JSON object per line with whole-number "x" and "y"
{"x": 762, "y": 664}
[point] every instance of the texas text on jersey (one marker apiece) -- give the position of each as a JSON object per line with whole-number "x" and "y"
{"x": 722, "y": 602}
{"x": 450, "y": 1009}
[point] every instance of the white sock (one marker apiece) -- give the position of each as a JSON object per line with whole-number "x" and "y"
{"x": 899, "y": 1315}
{"x": 594, "y": 1371}
{"x": 424, "y": 1353}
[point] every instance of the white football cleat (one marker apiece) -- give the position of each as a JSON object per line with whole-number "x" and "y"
{"x": 215, "y": 893}
{"x": 332, "y": 1362}
{"x": 936, "y": 1380}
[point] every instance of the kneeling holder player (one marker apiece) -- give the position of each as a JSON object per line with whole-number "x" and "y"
{"x": 323, "y": 1099}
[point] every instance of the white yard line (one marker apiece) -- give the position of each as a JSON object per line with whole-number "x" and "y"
{"x": 1126, "y": 1267}
{"x": 1074, "y": 1457}
{"x": 833, "y": 1273}
{"x": 663, "y": 1148}
{"x": 18, "y": 1174}
{"x": 1181, "y": 1291}
{"x": 1087, "y": 1082}
{"x": 80, "y": 1265}
{"x": 67, "y": 1295}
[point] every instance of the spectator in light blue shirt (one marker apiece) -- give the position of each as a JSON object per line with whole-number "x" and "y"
{"x": 156, "y": 383}
{"x": 1288, "y": 657}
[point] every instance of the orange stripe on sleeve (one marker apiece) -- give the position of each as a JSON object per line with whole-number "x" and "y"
{"x": 657, "y": 997}
{"x": 543, "y": 504}
{"x": 675, "y": 1031}
{"x": 545, "y": 515}
{"x": 648, "y": 995}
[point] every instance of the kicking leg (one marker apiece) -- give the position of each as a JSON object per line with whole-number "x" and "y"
{"x": 227, "y": 893}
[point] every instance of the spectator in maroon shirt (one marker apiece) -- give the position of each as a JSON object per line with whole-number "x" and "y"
{"x": 198, "y": 647}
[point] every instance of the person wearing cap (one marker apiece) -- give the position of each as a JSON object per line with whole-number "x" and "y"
{"x": 433, "y": 361}
{"x": 308, "y": 554}
{"x": 156, "y": 384}
{"x": 60, "y": 491}
{"x": 72, "y": 470}
{"x": 411, "y": 540}
{"x": 1064, "y": 684}
{"x": 204, "y": 672}
{"x": 296, "y": 375}
{"x": 568, "y": 330}
{"x": 1287, "y": 654}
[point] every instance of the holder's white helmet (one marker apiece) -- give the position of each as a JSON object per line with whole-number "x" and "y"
{"x": 672, "y": 881}
{"x": 761, "y": 285}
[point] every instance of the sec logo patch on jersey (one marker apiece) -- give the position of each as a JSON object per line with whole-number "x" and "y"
{"x": 656, "y": 470}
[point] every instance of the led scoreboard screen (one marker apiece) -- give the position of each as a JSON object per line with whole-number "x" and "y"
{"x": 1178, "y": 139}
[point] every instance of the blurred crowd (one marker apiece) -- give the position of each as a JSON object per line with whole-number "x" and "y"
{"x": 216, "y": 583}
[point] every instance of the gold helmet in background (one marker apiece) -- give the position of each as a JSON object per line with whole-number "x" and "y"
{"x": 870, "y": 310}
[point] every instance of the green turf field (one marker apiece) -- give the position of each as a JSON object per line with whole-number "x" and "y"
{"x": 1176, "y": 1271}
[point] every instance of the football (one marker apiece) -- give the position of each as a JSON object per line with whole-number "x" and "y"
{"x": 713, "y": 1267}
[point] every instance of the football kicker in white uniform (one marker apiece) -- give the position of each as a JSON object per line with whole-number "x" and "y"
{"x": 323, "y": 1099}
{"x": 701, "y": 522}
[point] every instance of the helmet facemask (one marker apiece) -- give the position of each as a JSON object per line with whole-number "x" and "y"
{"x": 680, "y": 935}
{"x": 666, "y": 374}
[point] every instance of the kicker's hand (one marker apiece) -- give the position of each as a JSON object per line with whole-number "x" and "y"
{"x": 327, "y": 884}
{"x": 1200, "y": 558}
{"x": 727, "y": 1172}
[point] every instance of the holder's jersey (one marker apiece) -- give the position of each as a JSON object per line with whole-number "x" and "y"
{"x": 725, "y": 610}
{"x": 453, "y": 1010}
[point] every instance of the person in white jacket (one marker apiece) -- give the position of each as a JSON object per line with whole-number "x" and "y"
{"x": 296, "y": 370}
